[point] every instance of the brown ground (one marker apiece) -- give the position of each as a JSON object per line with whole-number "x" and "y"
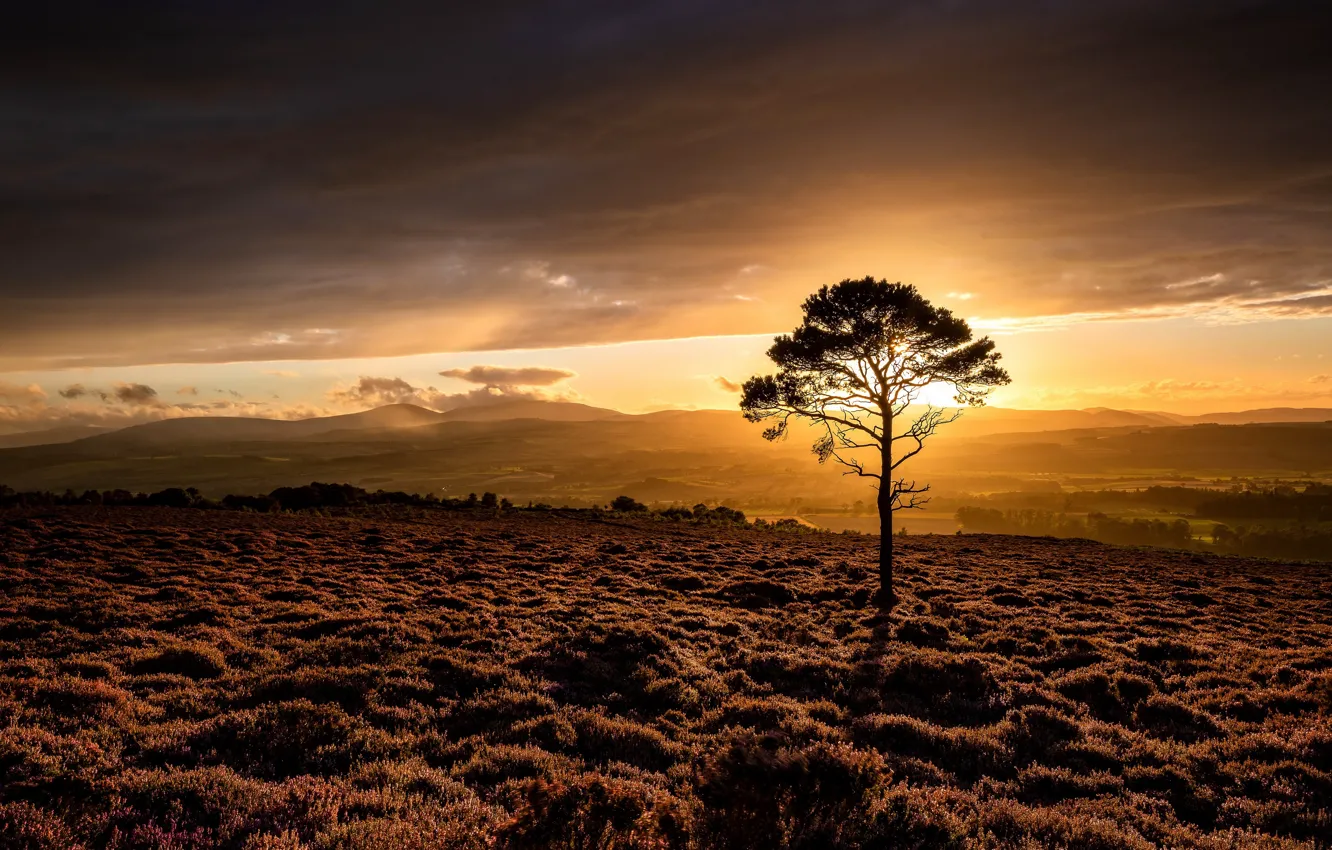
{"x": 200, "y": 679}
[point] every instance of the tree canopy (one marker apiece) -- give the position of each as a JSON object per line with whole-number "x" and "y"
{"x": 864, "y": 354}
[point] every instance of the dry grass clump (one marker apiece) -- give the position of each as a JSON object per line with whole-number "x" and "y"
{"x": 198, "y": 680}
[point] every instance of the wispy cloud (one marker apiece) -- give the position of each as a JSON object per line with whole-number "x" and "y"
{"x": 1226, "y": 310}
{"x": 1167, "y": 393}
{"x": 526, "y": 376}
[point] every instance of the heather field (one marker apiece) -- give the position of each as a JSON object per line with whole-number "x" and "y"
{"x": 176, "y": 678}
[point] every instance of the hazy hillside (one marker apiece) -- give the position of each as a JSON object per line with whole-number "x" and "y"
{"x": 63, "y": 434}
{"x": 995, "y": 420}
{"x": 553, "y": 411}
{"x": 1256, "y": 449}
{"x": 977, "y": 422}
{"x": 226, "y": 429}
{"x": 590, "y": 455}
{"x": 1272, "y": 414}
{"x": 713, "y": 453}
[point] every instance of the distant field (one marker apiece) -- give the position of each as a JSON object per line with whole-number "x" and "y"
{"x": 203, "y": 679}
{"x": 915, "y": 522}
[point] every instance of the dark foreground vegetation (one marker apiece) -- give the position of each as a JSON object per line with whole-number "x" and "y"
{"x": 317, "y": 496}
{"x": 425, "y": 678}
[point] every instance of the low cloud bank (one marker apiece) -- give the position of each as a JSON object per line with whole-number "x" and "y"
{"x": 497, "y": 384}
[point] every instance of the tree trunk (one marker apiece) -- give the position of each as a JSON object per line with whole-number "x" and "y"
{"x": 885, "y": 546}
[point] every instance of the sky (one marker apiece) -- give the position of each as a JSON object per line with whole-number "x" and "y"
{"x": 291, "y": 208}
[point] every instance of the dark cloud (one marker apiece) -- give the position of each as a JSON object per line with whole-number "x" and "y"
{"x": 726, "y": 384}
{"x": 264, "y": 181}
{"x": 135, "y": 394}
{"x": 26, "y": 407}
{"x": 528, "y": 376}
{"x": 77, "y": 391}
{"x": 378, "y": 391}
{"x": 125, "y": 393}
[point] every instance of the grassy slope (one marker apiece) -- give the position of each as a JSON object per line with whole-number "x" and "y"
{"x": 192, "y": 679}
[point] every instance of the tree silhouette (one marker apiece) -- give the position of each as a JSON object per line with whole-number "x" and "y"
{"x": 863, "y": 355}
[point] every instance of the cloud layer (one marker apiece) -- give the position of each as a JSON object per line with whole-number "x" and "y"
{"x": 408, "y": 177}
{"x": 498, "y": 383}
{"x": 502, "y": 376}
{"x": 30, "y": 408}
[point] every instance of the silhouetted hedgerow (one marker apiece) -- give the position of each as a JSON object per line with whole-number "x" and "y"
{"x": 380, "y": 676}
{"x": 343, "y": 497}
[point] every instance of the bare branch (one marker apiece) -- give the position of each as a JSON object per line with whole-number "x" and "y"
{"x": 920, "y": 430}
{"x": 915, "y": 499}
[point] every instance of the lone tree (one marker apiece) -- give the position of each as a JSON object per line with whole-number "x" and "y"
{"x": 861, "y": 358}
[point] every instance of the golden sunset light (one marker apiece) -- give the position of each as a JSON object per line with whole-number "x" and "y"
{"x": 672, "y": 424}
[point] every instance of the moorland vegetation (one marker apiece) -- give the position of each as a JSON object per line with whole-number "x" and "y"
{"x": 403, "y": 677}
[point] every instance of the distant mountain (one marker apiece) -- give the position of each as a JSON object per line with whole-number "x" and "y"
{"x": 399, "y": 421}
{"x": 1265, "y": 415}
{"x": 553, "y": 411}
{"x": 63, "y": 434}
{"x": 1207, "y": 450}
{"x": 165, "y": 434}
{"x": 388, "y": 417}
{"x": 231, "y": 429}
{"x": 998, "y": 420}
{"x": 668, "y": 455}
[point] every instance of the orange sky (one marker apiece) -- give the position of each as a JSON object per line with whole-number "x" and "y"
{"x": 1134, "y": 196}
{"x": 1174, "y": 365}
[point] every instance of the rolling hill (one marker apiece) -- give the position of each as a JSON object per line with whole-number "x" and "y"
{"x": 225, "y": 429}
{"x": 573, "y": 454}
{"x": 47, "y": 436}
{"x": 980, "y": 422}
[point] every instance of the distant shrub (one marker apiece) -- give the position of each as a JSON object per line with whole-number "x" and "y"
{"x": 702, "y": 514}
{"x": 627, "y": 504}
{"x": 261, "y": 504}
{"x": 317, "y": 495}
